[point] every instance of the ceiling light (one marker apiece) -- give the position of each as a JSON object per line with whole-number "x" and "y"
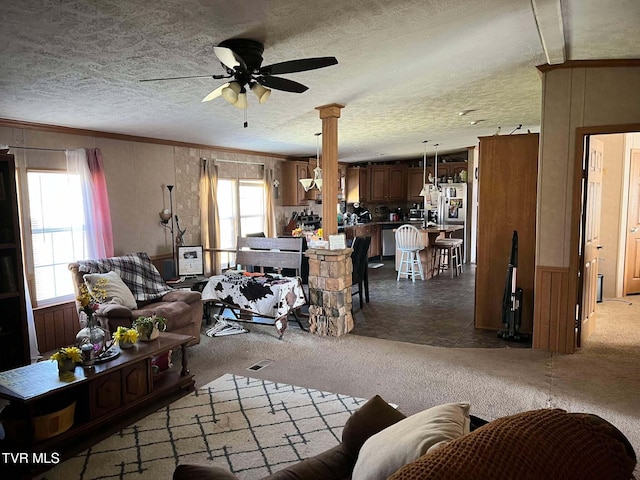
{"x": 261, "y": 92}
{"x": 316, "y": 181}
{"x": 242, "y": 100}
{"x": 462, "y": 113}
{"x": 230, "y": 93}
{"x": 425, "y": 188}
{"x": 475, "y": 122}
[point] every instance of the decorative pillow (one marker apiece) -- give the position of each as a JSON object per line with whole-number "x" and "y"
{"x": 117, "y": 290}
{"x": 547, "y": 443}
{"x": 401, "y": 443}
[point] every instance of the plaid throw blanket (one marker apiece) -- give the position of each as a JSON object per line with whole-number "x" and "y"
{"x": 135, "y": 270}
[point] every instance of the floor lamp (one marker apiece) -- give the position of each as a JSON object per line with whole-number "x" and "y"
{"x": 165, "y": 216}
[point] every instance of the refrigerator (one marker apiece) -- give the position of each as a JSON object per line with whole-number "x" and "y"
{"x": 452, "y": 209}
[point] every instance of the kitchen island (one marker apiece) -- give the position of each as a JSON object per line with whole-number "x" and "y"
{"x": 429, "y": 236}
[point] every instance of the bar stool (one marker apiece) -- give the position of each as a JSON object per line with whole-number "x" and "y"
{"x": 447, "y": 254}
{"x": 409, "y": 244}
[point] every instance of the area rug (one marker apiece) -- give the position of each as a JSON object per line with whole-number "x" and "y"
{"x": 251, "y": 427}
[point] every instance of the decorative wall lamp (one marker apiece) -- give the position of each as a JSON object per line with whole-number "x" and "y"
{"x": 316, "y": 181}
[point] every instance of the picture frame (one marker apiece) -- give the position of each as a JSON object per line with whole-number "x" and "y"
{"x": 190, "y": 261}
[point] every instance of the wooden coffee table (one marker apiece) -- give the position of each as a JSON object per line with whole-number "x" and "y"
{"x": 106, "y": 394}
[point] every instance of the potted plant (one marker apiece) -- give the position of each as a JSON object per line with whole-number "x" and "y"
{"x": 125, "y": 337}
{"x": 149, "y": 327}
{"x": 67, "y": 357}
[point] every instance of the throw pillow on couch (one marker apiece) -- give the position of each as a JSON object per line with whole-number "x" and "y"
{"x": 116, "y": 290}
{"x": 409, "y": 439}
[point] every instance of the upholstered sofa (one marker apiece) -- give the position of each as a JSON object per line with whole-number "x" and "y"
{"x": 141, "y": 292}
{"x": 379, "y": 442}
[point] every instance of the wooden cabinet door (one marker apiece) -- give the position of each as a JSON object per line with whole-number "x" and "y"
{"x": 135, "y": 381}
{"x": 396, "y": 182}
{"x": 293, "y": 193}
{"x": 375, "y": 250}
{"x": 357, "y": 184}
{"x": 105, "y": 394}
{"x": 378, "y": 183}
{"x": 414, "y": 184}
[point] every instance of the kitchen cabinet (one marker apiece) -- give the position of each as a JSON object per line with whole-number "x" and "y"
{"x": 451, "y": 169}
{"x": 414, "y": 183}
{"x": 357, "y": 184}
{"x": 367, "y": 229}
{"x": 292, "y": 192}
{"x": 507, "y": 192}
{"x": 14, "y": 337}
{"x": 387, "y": 183}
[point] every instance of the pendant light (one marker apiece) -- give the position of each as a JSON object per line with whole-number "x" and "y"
{"x": 425, "y": 188}
{"x": 316, "y": 181}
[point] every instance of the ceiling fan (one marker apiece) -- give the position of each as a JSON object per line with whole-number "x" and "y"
{"x": 242, "y": 60}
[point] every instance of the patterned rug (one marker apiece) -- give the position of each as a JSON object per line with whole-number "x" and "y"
{"x": 252, "y": 427}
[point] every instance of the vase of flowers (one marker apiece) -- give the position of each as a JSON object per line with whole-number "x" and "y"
{"x": 125, "y": 337}
{"x": 89, "y": 301}
{"x": 67, "y": 358}
{"x": 149, "y": 328}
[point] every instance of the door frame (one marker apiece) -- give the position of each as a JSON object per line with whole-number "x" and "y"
{"x": 577, "y": 208}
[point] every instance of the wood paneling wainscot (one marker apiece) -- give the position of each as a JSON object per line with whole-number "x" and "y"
{"x": 551, "y": 332}
{"x": 56, "y": 326}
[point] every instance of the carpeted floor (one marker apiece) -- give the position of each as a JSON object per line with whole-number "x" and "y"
{"x": 601, "y": 378}
{"x": 251, "y": 427}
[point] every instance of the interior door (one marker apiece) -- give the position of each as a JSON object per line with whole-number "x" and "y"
{"x": 591, "y": 234}
{"x": 632, "y": 253}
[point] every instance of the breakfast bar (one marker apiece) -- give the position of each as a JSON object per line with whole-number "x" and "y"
{"x": 429, "y": 236}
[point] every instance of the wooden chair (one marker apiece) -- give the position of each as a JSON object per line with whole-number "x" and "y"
{"x": 360, "y": 261}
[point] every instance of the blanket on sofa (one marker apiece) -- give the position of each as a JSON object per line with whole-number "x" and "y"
{"x": 135, "y": 270}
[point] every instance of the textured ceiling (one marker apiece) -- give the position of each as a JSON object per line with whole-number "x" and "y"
{"x": 406, "y": 67}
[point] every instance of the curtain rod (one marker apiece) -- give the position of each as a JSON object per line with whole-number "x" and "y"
{"x": 233, "y": 161}
{"x": 39, "y": 148}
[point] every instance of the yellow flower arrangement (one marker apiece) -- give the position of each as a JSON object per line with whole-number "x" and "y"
{"x": 125, "y": 335}
{"x": 67, "y": 353}
{"x": 90, "y": 300}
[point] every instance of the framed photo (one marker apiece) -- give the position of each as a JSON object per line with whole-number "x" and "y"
{"x": 190, "y": 261}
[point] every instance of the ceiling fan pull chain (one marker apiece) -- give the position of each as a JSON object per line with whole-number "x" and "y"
{"x": 246, "y": 124}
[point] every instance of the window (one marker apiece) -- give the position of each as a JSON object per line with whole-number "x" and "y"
{"x": 240, "y": 208}
{"x": 57, "y": 232}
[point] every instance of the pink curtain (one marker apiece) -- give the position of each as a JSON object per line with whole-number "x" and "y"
{"x": 102, "y": 232}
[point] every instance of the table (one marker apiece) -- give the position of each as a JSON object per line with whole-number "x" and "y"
{"x": 104, "y": 393}
{"x": 265, "y": 295}
{"x": 429, "y": 236}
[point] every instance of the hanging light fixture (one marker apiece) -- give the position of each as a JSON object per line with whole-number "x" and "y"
{"x": 316, "y": 181}
{"x": 425, "y": 188}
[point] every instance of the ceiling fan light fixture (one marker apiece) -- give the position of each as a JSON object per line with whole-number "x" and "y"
{"x": 242, "y": 101}
{"x": 231, "y": 92}
{"x": 261, "y": 92}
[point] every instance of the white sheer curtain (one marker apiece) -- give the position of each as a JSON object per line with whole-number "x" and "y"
{"x": 77, "y": 163}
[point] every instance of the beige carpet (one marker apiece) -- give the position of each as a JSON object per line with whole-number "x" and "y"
{"x": 602, "y": 378}
{"x": 249, "y": 426}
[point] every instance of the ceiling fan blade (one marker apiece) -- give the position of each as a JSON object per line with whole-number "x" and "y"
{"x": 228, "y": 58}
{"x": 216, "y": 77}
{"x": 216, "y": 93}
{"x": 298, "y": 65}
{"x": 278, "y": 83}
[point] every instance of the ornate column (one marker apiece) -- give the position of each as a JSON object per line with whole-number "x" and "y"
{"x": 330, "y": 291}
{"x": 329, "y": 115}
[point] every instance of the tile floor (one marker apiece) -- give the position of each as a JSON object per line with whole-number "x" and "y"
{"x": 437, "y": 312}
